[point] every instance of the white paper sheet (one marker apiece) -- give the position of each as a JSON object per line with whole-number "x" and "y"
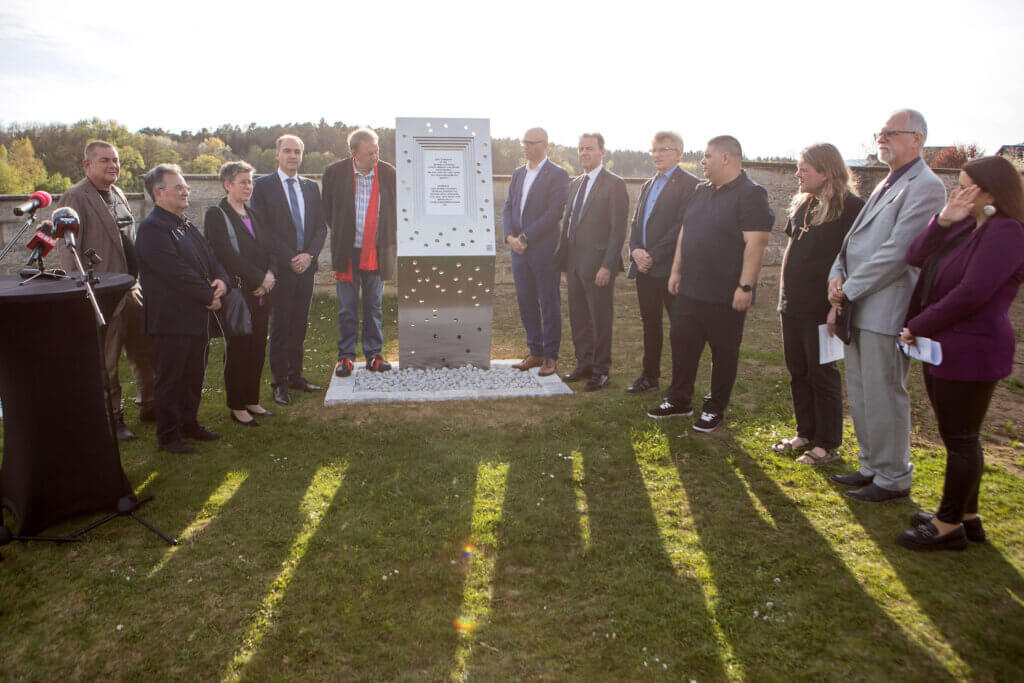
{"x": 829, "y": 348}
{"x": 925, "y": 350}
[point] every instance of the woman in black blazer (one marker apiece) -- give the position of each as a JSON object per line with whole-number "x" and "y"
{"x": 241, "y": 245}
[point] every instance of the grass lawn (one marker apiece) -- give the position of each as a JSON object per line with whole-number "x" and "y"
{"x": 566, "y": 538}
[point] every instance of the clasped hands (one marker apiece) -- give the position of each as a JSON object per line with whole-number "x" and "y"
{"x": 838, "y": 299}
{"x": 300, "y": 262}
{"x": 516, "y": 244}
{"x": 268, "y": 284}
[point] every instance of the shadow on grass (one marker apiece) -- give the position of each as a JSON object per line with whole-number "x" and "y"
{"x": 977, "y": 606}
{"x": 356, "y": 602}
{"x": 788, "y": 600}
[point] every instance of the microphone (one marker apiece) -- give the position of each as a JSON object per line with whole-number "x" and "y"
{"x": 37, "y": 200}
{"x": 66, "y": 224}
{"x": 42, "y": 242}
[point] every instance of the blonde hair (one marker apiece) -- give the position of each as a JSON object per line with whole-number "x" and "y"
{"x": 827, "y": 160}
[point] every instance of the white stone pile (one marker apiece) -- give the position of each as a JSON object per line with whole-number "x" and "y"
{"x": 466, "y": 378}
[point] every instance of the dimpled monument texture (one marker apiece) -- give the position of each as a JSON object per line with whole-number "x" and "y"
{"x": 466, "y": 378}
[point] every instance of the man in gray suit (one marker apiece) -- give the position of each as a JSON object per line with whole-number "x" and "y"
{"x": 590, "y": 254}
{"x": 871, "y": 275}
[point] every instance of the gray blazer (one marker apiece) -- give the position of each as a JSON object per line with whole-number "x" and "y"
{"x": 872, "y": 261}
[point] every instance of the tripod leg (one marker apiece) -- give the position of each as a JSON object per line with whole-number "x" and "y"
{"x": 97, "y": 523}
{"x": 140, "y": 520}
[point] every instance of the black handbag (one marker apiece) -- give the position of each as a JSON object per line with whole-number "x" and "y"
{"x": 234, "y": 318}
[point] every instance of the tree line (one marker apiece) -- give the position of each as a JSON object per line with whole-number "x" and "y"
{"x": 48, "y": 156}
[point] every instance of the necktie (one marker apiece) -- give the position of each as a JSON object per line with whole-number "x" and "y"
{"x": 576, "y": 208}
{"x": 293, "y": 203}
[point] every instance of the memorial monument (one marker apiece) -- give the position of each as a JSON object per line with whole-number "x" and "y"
{"x": 446, "y": 245}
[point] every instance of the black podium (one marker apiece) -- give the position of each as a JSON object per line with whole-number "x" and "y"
{"x": 60, "y": 458}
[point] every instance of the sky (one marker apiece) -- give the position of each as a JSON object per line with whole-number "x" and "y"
{"x": 777, "y": 75}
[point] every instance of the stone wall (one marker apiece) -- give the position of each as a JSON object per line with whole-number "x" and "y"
{"x": 777, "y": 178}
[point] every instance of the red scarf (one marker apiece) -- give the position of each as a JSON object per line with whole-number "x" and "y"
{"x": 368, "y": 255}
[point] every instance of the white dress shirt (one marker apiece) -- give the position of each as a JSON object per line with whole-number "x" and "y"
{"x": 298, "y": 193}
{"x": 531, "y": 175}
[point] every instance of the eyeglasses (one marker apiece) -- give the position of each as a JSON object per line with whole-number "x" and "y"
{"x": 885, "y": 134}
{"x": 655, "y": 150}
{"x": 177, "y": 188}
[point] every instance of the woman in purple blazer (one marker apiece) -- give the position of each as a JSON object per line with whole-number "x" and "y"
{"x": 972, "y": 262}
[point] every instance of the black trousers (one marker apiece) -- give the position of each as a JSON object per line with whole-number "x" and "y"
{"x": 243, "y": 365}
{"x": 694, "y": 324}
{"x": 591, "y": 309}
{"x": 652, "y": 295}
{"x": 960, "y": 408}
{"x": 817, "y": 389}
{"x": 290, "y": 297}
{"x": 180, "y": 366}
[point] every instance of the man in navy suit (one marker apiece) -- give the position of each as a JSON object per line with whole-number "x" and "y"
{"x": 183, "y": 282}
{"x": 291, "y": 208}
{"x": 652, "y": 246}
{"x": 533, "y": 210}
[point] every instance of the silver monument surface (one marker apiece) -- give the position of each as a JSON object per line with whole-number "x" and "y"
{"x": 446, "y": 245}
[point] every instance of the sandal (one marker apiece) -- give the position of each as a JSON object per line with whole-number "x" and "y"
{"x": 786, "y": 447}
{"x": 814, "y": 460}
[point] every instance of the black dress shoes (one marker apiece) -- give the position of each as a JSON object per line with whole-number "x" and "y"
{"x": 872, "y": 493}
{"x": 926, "y": 537}
{"x": 123, "y": 433}
{"x": 641, "y": 385}
{"x": 973, "y": 529}
{"x": 597, "y": 382}
{"x": 200, "y": 433}
{"x": 302, "y": 384}
{"x": 281, "y": 396}
{"x": 251, "y": 423}
{"x": 180, "y": 447}
{"x": 852, "y": 479}
{"x": 576, "y": 375}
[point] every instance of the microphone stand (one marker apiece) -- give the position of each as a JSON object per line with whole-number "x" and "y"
{"x": 17, "y": 238}
{"x": 87, "y": 278}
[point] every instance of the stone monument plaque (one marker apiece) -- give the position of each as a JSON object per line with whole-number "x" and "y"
{"x": 446, "y": 242}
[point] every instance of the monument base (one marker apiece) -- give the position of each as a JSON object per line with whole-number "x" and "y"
{"x": 445, "y": 384}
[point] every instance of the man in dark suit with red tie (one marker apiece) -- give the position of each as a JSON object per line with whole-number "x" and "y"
{"x": 533, "y": 209}
{"x": 652, "y": 245}
{"x": 590, "y": 254}
{"x": 293, "y": 212}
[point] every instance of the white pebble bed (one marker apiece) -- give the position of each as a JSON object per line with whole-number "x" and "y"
{"x": 466, "y": 378}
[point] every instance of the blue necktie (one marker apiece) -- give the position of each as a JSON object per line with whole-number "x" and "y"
{"x": 576, "y": 208}
{"x": 293, "y": 202}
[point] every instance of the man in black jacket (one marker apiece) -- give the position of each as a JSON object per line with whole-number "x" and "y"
{"x": 291, "y": 209}
{"x": 652, "y": 245}
{"x": 359, "y": 201}
{"x": 590, "y": 254}
{"x": 183, "y": 282}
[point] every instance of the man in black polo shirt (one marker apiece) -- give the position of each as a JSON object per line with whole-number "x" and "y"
{"x": 718, "y": 256}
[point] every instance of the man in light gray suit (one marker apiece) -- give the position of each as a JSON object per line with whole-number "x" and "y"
{"x": 871, "y": 275}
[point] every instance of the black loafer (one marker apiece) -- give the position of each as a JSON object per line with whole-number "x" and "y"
{"x": 200, "y": 433}
{"x": 973, "y": 529}
{"x": 576, "y": 375}
{"x": 641, "y": 385}
{"x": 180, "y": 447}
{"x": 873, "y": 493}
{"x": 251, "y": 423}
{"x": 852, "y": 479}
{"x": 597, "y": 382}
{"x": 926, "y": 537}
{"x": 281, "y": 395}
{"x": 302, "y": 384}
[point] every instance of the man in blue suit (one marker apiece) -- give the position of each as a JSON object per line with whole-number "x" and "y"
{"x": 290, "y": 206}
{"x": 533, "y": 211}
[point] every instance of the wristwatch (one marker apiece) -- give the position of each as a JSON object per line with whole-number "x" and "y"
{"x": 522, "y": 237}
{"x": 745, "y": 288}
